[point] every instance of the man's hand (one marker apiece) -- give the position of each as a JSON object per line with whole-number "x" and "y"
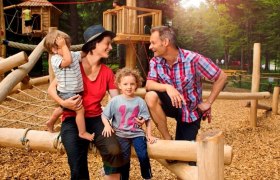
{"x": 205, "y": 109}
{"x": 151, "y": 139}
{"x": 176, "y": 98}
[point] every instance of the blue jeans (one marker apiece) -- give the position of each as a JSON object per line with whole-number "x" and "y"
{"x": 140, "y": 146}
{"x": 77, "y": 148}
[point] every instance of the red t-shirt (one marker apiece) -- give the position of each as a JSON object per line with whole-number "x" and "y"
{"x": 94, "y": 92}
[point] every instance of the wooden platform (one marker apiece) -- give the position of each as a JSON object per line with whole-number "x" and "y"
{"x": 130, "y": 38}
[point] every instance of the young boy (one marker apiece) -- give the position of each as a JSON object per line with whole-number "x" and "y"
{"x": 68, "y": 75}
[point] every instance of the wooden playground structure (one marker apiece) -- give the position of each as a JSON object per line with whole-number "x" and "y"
{"x": 209, "y": 151}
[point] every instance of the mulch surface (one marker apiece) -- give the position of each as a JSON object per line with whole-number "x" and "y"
{"x": 256, "y": 153}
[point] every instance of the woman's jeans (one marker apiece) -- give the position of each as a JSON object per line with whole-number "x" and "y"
{"x": 77, "y": 148}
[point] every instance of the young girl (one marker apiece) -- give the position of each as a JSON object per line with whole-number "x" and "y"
{"x": 124, "y": 110}
{"x": 68, "y": 75}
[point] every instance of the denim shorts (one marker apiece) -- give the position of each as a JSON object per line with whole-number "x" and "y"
{"x": 67, "y": 95}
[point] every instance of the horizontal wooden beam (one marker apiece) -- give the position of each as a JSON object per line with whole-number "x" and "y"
{"x": 224, "y": 95}
{"x": 45, "y": 141}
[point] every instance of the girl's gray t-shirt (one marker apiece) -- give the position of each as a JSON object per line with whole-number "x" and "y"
{"x": 123, "y": 112}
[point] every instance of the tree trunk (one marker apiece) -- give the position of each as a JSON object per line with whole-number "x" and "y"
{"x": 266, "y": 61}
{"x": 74, "y": 19}
{"x": 242, "y": 59}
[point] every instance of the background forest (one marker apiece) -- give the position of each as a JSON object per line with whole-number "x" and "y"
{"x": 219, "y": 29}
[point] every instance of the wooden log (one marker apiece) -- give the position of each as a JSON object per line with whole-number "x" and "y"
{"x": 255, "y": 82}
{"x": 181, "y": 170}
{"x": 210, "y": 156}
{"x": 259, "y": 106}
{"x": 17, "y": 75}
{"x": 32, "y": 82}
{"x": 224, "y": 95}
{"x": 13, "y": 61}
{"x": 275, "y": 97}
{"x": 37, "y": 140}
{"x": 163, "y": 149}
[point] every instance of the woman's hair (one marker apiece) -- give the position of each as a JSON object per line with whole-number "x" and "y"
{"x": 50, "y": 40}
{"x": 92, "y": 44}
{"x": 166, "y": 32}
{"x": 128, "y": 72}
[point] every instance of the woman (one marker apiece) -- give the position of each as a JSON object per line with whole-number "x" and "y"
{"x": 97, "y": 79}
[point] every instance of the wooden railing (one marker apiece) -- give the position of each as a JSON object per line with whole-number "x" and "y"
{"x": 131, "y": 20}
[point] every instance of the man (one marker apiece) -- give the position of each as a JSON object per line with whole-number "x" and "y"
{"x": 174, "y": 85}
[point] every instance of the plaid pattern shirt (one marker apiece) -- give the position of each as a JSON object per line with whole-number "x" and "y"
{"x": 185, "y": 75}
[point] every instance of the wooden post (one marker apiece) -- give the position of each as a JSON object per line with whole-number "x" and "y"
{"x": 2, "y": 31}
{"x": 275, "y": 97}
{"x": 13, "y": 61}
{"x": 255, "y": 82}
{"x": 132, "y": 23}
{"x": 51, "y": 73}
{"x": 210, "y": 156}
{"x": 130, "y": 59}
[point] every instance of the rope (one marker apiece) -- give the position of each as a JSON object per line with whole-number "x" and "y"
{"x": 40, "y": 90}
{"x": 146, "y": 53}
{"x": 31, "y": 103}
{"x": 57, "y": 140}
{"x": 138, "y": 59}
{"x": 12, "y": 109}
{"x": 39, "y": 99}
{"x": 21, "y": 120}
{"x": 8, "y": 28}
{"x": 24, "y": 141}
{"x": 57, "y": 144}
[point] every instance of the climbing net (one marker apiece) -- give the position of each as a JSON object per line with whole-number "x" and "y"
{"x": 29, "y": 108}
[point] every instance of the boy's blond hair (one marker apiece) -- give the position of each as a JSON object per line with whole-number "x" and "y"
{"x": 50, "y": 40}
{"x": 128, "y": 72}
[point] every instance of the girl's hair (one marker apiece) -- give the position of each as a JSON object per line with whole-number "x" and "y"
{"x": 129, "y": 72}
{"x": 50, "y": 40}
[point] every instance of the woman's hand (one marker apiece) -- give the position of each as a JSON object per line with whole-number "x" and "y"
{"x": 107, "y": 131}
{"x": 74, "y": 103}
{"x": 176, "y": 98}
